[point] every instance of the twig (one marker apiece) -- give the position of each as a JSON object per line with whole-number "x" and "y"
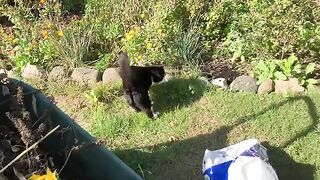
{"x": 43, "y": 115}
{"x": 30, "y": 148}
{"x": 77, "y": 148}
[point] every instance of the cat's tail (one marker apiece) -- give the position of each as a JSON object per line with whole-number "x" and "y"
{"x": 124, "y": 65}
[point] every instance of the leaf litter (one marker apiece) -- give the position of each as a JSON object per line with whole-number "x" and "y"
{"x": 21, "y": 155}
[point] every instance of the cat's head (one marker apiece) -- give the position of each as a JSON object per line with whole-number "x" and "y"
{"x": 157, "y": 73}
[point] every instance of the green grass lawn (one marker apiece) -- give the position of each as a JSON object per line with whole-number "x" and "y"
{"x": 193, "y": 118}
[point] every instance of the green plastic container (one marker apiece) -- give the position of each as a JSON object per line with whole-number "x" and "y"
{"x": 97, "y": 162}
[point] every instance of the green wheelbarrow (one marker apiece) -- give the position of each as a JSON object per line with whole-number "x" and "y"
{"x": 94, "y": 163}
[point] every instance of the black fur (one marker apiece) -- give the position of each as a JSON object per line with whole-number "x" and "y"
{"x": 136, "y": 82}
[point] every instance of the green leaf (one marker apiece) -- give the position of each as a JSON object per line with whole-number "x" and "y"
{"x": 311, "y": 81}
{"x": 262, "y": 66}
{"x": 310, "y": 68}
{"x": 297, "y": 68}
{"x": 292, "y": 59}
{"x": 272, "y": 66}
{"x": 242, "y": 58}
{"x": 279, "y": 75}
{"x": 262, "y": 78}
{"x": 236, "y": 55}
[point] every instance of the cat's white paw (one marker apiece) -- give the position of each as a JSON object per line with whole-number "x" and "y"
{"x": 155, "y": 114}
{"x": 133, "y": 109}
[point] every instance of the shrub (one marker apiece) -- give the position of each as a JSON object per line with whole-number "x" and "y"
{"x": 168, "y": 32}
{"x": 30, "y": 41}
{"x": 262, "y": 29}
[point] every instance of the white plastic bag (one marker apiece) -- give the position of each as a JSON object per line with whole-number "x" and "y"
{"x": 247, "y": 160}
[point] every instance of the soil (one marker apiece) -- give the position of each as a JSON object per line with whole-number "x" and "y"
{"x": 224, "y": 68}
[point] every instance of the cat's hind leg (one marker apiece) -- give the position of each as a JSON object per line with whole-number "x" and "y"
{"x": 142, "y": 101}
{"x": 130, "y": 101}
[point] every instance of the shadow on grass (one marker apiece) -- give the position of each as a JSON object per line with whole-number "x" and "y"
{"x": 176, "y": 93}
{"x": 182, "y": 159}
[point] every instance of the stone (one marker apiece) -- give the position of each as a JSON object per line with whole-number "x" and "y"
{"x": 220, "y": 82}
{"x": 111, "y": 75}
{"x": 244, "y": 84}
{"x": 33, "y": 72}
{"x": 291, "y": 85}
{"x": 58, "y": 72}
{"x": 266, "y": 87}
{"x": 85, "y": 75}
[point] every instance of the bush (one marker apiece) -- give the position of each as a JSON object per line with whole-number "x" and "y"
{"x": 262, "y": 29}
{"x": 169, "y": 32}
{"x": 30, "y": 40}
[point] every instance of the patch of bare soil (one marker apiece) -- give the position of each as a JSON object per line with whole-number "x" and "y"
{"x": 224, "y": 68}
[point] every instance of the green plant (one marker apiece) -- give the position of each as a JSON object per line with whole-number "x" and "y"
{"x": 261, "y": 29}
{"x": 264, "y": 70}
{"x": 103, "y": 61}
{"x": 284, "y": 69}
{"x": 188, "y": 47}
{"x": 289, "y": 67}
{"x": 92, "y": 96}
{"x": 305, "y": 78}
{"x": 30, "y": 40}
{"x": 103, "y": 93}
{"x": 74, "y": 46}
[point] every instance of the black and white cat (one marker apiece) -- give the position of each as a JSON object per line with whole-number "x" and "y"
{"x": 136, "y": 81}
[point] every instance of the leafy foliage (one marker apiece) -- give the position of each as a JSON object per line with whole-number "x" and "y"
{"x": 173, "y": 33}
{"x": 284, "y": 69}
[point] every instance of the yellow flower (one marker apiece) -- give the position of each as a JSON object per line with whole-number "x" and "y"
{"x": 159, "y": 31}
{"x": 10, "y": 37}
{"x": 14, "y": 41}
{"x": 45, "y": 34}
{"x": 139, "y": 57}
{"x": 149, "y": 46}
{"x": 131, "y": 32}
{"x": 60, "y": 33}
{"x": 48, "y": 176}
{"x": 129, "y": 36}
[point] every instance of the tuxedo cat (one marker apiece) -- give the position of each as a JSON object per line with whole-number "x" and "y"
{"x": 136, "y": 81}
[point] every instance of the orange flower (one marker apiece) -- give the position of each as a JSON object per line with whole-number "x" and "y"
{"x": 42, "y": 1}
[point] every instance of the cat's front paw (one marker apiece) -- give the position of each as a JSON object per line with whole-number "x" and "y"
{"x": 133, "y": 109}
{"x": 155, "y": 115}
